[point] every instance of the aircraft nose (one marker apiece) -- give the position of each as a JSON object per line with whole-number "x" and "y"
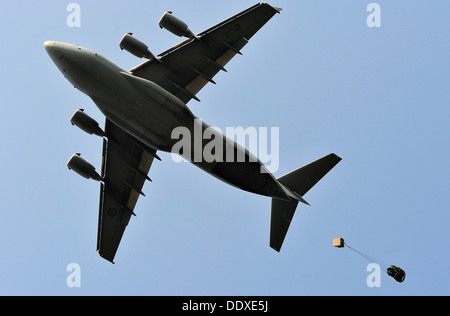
{"x": 58, "y": 50}
{"x": 52, "y": 49}
{"x": 47, "y": 44}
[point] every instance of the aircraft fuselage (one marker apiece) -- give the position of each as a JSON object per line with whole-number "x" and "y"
{"x": 150, "y": 113}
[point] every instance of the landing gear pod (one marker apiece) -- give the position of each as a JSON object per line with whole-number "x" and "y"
{"x": 175, "y": 25}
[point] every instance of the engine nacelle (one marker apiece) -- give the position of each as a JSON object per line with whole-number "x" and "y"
{"x": 86, "y": 123}
{"x": 175, "y": 26}
{"x": 83, "y": 168}
{"x": 135, "y": 46}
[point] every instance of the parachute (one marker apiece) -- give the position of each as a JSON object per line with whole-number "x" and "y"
{"x": 397, "y": 273}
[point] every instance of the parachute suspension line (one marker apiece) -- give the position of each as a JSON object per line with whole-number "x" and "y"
{"x": 367, "y": 257}
{"x": 398, "y": 274}
{"x": 359, "y": 253}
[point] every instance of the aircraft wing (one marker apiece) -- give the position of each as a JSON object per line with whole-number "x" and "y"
{"x": 126, "y": 163}
{"x": 186, "y": 68}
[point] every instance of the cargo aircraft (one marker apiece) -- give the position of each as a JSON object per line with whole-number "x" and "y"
{"x": 144, "y": 105}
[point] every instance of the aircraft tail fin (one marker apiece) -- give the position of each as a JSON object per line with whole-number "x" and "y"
{"x": 297, "y": 183}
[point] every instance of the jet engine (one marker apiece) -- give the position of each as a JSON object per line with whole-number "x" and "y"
{"x": 135, "y": 46}
{"x": 86, "y": 123}
{"x": 83, "y": 168}
{"x": 175, "y": 26}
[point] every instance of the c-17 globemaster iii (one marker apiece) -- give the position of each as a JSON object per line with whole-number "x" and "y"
{"x": 143, "y": 106}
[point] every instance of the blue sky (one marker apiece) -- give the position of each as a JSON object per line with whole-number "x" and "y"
{"x": 377, "y": 97}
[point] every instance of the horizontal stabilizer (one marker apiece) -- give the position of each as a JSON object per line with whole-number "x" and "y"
{"x": 299, "y": 182}
{"x": 304, "y": 178}
{"x": 280, "y": 219}
{"x": 294, "y": 195}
